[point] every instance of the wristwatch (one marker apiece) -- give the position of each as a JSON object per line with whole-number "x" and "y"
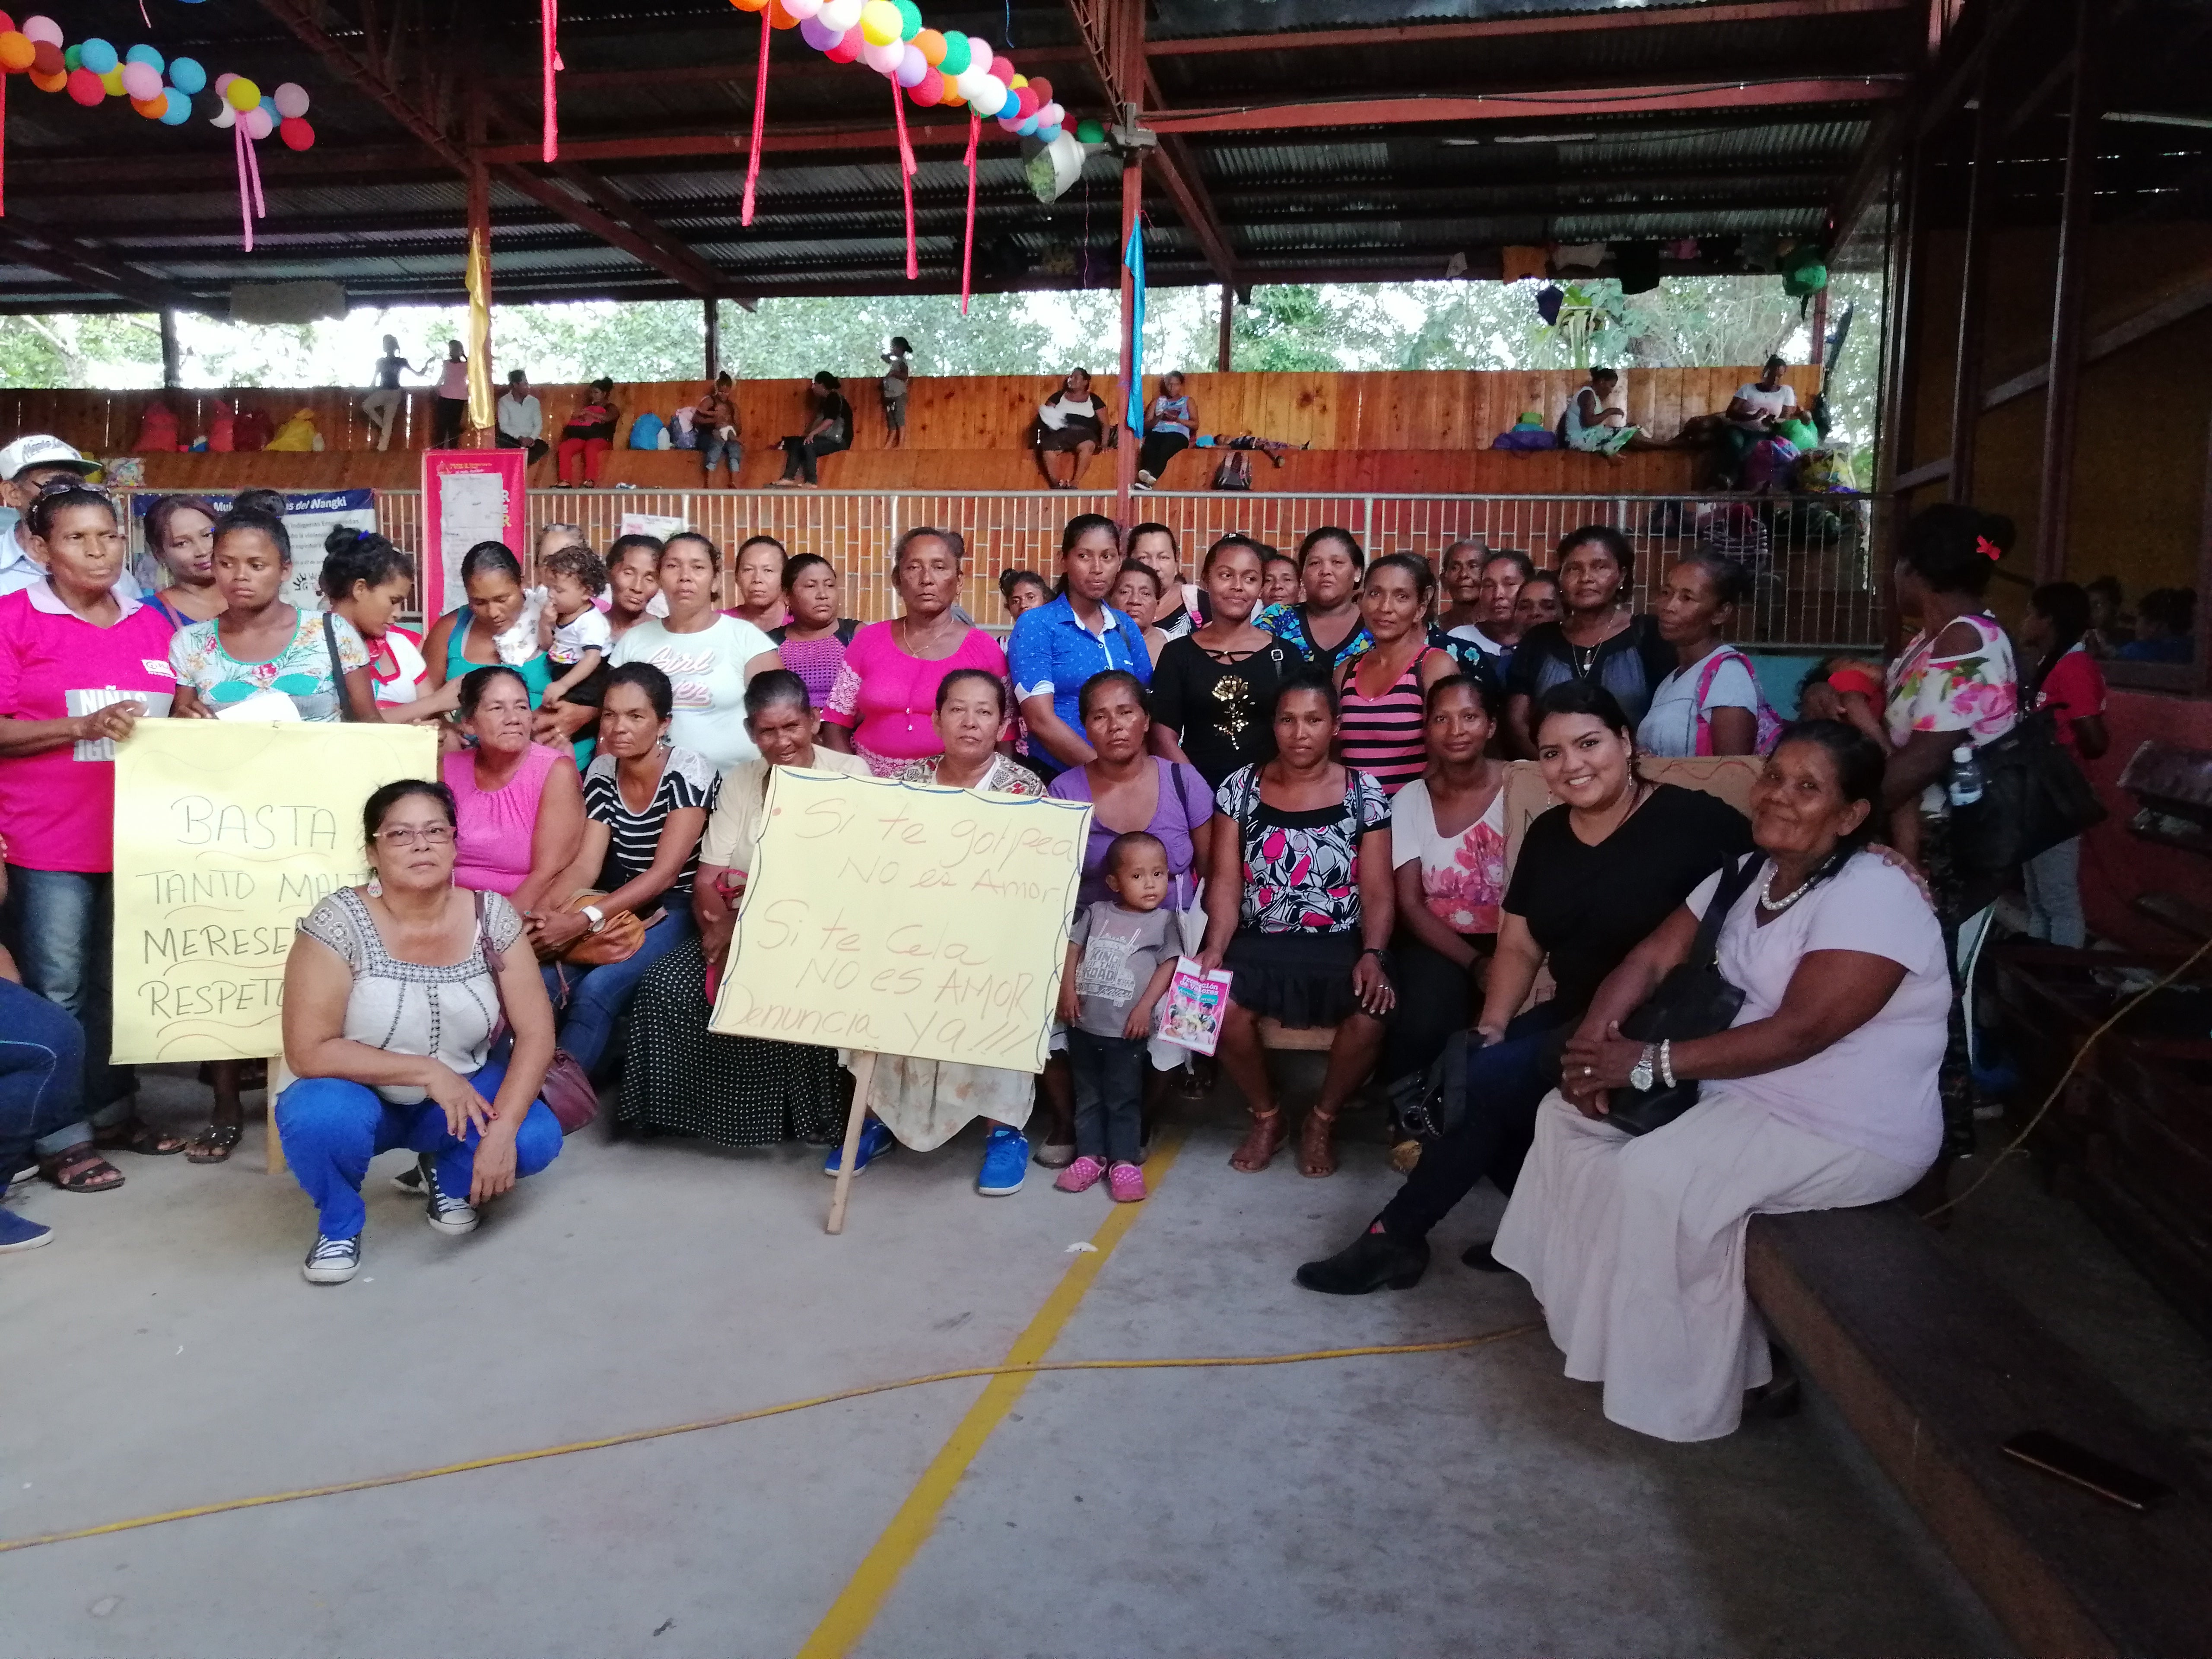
{"x": 594, "y": 919}
{"x": 1641, "y": 1074}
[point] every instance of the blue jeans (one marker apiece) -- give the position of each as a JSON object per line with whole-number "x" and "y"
{"x": 1109, "y": 1094}
{"x": 2053, "y": 880}
{"x": 61, "y": 924}
{"x": 331, "y": 1126}
{"x": 714, "y": 449}
{"x": 597, "y": 998}
{"x": 1506, "y": 1083}
{"x": 41, "y": 1072}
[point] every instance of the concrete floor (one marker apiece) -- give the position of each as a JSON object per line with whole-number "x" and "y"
{"x": 165, "y": 1353}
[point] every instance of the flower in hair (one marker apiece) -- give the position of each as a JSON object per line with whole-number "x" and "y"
{"x": 1987, "y": 549}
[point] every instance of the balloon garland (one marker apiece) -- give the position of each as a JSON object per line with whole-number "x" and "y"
{"x": 159, "y": 89}
{"x": 944, "y": 69}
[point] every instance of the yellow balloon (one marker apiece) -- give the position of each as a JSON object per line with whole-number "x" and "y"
{"x": 1019, "y": 83}
{"x": 114, "y": 82}
{"x": 242, "y": 94}
{"x": 880, "y": 22}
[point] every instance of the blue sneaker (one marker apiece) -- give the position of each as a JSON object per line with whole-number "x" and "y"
{"x": 875, "y": 1141}
{"x": 1006, "y": 1161}
{"x": 19, "y": 1233}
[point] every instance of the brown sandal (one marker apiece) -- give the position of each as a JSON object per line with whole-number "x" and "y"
{"x": 1260, "y": 1143}
{"x": 81, "y": 1170}
{"x": 1316, "y": 1147}
{"x": 135, "y": 1134}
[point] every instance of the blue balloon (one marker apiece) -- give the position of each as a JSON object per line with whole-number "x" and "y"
{"x": 142, "y": 54}
{"x": 269, "y": 107}
{"x": 97, "y": 56}
{"x": 176, "y": 109}
{"x": 187, "y": 76}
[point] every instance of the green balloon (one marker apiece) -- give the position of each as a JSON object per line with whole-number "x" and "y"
{"x": 957, "y": 55}
{"x": 909, "y": 19}
{"x": 71, "y": 59}
{"x": 1089, "y": 132}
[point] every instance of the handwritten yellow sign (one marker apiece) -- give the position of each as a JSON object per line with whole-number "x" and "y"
{"x": 905, "y": 919}
{"x": 225, "y": 836}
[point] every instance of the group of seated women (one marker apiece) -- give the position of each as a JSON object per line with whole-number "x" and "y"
{"x": 1324, "y": 777}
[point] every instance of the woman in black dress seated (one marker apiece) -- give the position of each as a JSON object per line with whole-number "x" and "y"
{"x": 1594, "y": 876}
{"x": 1596, "y": 638}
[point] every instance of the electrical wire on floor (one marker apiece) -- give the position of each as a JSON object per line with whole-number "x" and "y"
{"x": 372, "y": 1482}
{"x": 2066, "y": 1076}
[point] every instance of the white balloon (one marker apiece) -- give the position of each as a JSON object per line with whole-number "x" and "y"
{"x": 840, "y": 15}
{"x": 990, "y": 97}
{"x": 225, "y": 117}
{"x": 885, "y": 58}
{"x": 802, "y": 10}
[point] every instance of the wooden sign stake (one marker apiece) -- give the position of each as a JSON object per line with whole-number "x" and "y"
{"x": 863, "y": 1075}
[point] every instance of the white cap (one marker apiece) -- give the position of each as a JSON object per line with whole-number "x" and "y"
{"x": 41, "y": 450}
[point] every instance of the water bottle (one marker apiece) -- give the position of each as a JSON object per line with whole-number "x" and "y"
{"x": 1966, "y": 776}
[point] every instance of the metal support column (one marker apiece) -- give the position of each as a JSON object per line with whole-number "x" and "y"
{"x": 2062, "y": 396}
{"x": 1228, "y": 324}
{"x": 1131, "y": 393}
{"x": 713, "y": 309}
{"x": 1966, "y": 366}
{"x": 172, "y": 355}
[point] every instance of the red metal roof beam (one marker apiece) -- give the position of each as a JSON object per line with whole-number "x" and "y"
{"x": 1492, "y": 28}
{"x": 1533, "y": 107}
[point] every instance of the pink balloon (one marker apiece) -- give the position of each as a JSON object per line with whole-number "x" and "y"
{"x": 912, "y": 66}
{"x": 222, "y": 84}
{"x": 258, "y": 123}
{"x": 43, "y": 28}
{"x": 142, "y": 81}
{"x": 885, "y": 58}
{"x": 291, "y": 100}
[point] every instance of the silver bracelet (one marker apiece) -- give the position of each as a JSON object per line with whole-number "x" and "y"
{"x": 1667, "y": 1062}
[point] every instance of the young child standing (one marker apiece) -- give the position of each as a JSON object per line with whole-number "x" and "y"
{"x": 896, "y": 377}
{"x": 579, "y": 638}
{"x": 1121, "y": 957}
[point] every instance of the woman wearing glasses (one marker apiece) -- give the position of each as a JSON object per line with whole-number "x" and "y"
{"x": 393, "y": 993}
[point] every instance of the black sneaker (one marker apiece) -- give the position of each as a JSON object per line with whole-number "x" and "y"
{"x": 450, "y": 1215}
{"x": 1369, "y": 1263}
{"x": 331, "y": 1261}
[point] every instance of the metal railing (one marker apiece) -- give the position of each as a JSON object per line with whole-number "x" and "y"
{"x": 1814, "y": 580}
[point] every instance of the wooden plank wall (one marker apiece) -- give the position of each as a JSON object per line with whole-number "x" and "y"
{"x": 1376, "y": 413}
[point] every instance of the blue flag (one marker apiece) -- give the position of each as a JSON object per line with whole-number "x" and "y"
{"x": 1133, "y": 256}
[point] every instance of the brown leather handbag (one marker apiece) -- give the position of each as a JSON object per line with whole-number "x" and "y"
{"x": 615, "y": 942}
{"x": 566, "y": 1090}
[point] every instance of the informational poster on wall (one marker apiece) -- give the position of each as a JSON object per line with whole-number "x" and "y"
{"x": 308, "y": 521}
{"x": 659, "y": 525}
{"x": 226, "y": 833}
{"x": 905, "y": 919}
{"x": 469, "y": 496}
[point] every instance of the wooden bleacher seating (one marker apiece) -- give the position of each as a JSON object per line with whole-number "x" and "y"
{"x": 1935, "y": 1367}
{"x": 1397, "y": 432}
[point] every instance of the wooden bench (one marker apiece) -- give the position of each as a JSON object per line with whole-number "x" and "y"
{"x": 1935, "y": 1367}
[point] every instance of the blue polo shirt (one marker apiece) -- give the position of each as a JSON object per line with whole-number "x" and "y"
{"x": 1052, "y": 653}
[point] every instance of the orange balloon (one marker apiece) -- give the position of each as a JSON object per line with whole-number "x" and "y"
{"x": 50, "y": 82}
{"x": 17, "y": 52}
{"x": 778, "y": 18}
{"x": 750, "y": 5}
{"x": 951, "y": 99}
{"x": 929, "y": 43}
{"x": 152, "y": 109}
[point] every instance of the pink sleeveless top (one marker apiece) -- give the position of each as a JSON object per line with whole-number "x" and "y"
{"x": 492, "y": 854}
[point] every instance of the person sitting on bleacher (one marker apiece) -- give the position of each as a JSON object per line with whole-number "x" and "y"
{"x": 1821, "y": 1095}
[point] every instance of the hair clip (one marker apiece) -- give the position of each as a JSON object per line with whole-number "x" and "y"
{"x": 1987, "y": 549}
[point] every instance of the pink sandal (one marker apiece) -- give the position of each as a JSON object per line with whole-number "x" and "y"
{"x": 1125, "y": 1181}
{"x": 1081, "y": 1176}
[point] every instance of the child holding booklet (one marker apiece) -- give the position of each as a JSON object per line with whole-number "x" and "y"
{"x": 1120, "y": 956}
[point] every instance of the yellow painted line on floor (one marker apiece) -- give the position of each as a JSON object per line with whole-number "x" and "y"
{"x": 872, "y": 1582}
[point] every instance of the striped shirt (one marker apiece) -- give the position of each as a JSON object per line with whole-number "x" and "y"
{"x": 1383, "y": 736}
{"x": 634, "y": 838}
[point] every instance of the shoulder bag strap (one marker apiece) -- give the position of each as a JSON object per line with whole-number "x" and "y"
{"x": 1734, "y": 883}
{"x": 338, "y": 666}
{"x": 491, "y": 959}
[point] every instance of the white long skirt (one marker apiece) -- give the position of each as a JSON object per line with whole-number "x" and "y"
{"x": 1634, "y": 1247}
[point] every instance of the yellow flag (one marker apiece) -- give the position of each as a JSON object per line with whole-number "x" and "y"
{"x": 226, "y": 833}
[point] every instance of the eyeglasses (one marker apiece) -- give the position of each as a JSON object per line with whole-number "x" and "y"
{"x": 406, "y": 834}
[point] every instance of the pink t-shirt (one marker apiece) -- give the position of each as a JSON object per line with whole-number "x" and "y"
{"x": 57, "y": 810}
{"x": 888, "y": 700}
{"x": 498, "y": 828}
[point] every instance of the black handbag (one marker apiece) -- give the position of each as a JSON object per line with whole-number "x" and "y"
{"x": 2033, "y": 797}
{"x": 1693, "y": 1000}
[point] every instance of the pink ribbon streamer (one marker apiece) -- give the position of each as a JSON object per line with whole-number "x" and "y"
{"x": 967, "y": 250}
{"x": 760, "y": 119}
{"x": 549, "y": 20}
{"x": 250, "y": 206}
{"x": 3, "y": 145}
{"x": 906, "y": 170}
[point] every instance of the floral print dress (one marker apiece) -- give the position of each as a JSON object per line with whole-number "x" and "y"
{"x": 1301, "y": 869}
{"x": 1976, "y": 695}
